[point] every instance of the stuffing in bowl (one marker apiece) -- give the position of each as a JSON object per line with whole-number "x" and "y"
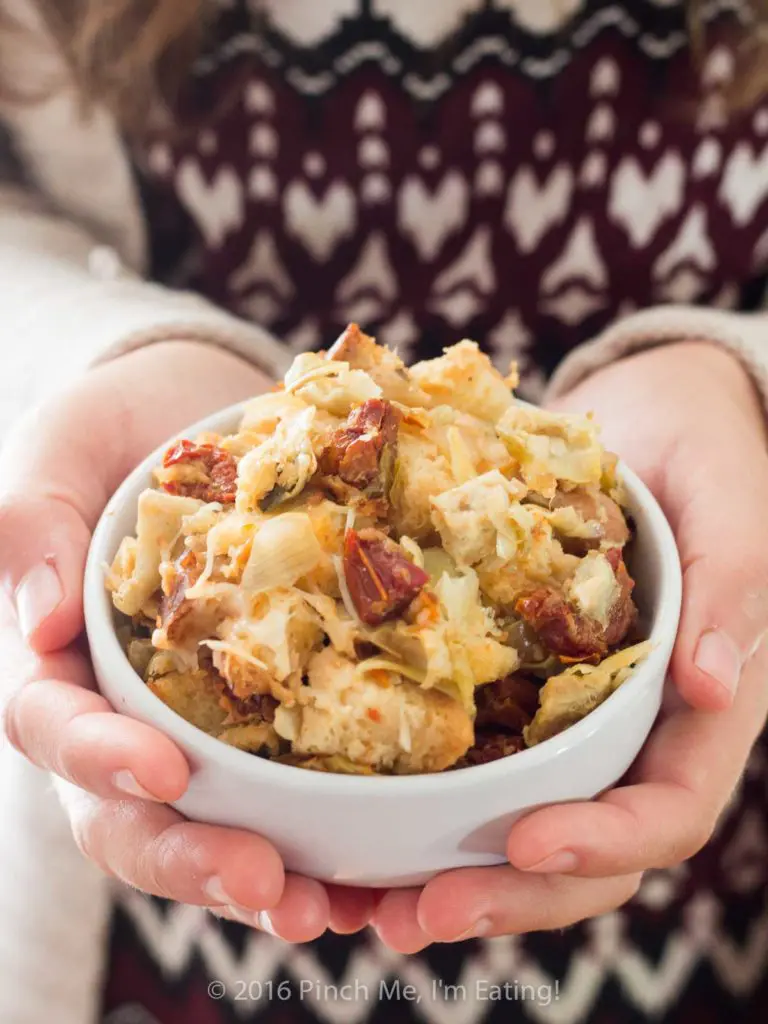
{"x": 384, "y": 571}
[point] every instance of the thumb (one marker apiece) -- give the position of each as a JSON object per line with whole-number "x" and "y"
{"x": 56, "y": 471}
{"x": 43, "y": 545}
{"x": 718, "y": 520}
{"x": 62, "y": 461}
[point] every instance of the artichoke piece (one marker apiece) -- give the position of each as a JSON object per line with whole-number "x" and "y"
{"x": 567, "y": 698}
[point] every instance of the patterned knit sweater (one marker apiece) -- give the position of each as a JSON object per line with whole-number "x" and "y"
{"x": 529, "y": 173}
{"x": 521, "y": 173}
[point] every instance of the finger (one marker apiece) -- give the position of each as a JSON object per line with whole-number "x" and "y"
{"x": 72, "y": 731}
{"x": 351, "y": 909}
{"x": 684, "y": 777}
{"x": 718, "y": 521}
{"x": 58, "y": 721}
{"x": 153, "y": 848}
{"x": 300, "y": 916}
{"x": 630, "y": 829}
{"x": 239, "y": 915}
{"x": 20, "y": 665}
{"x": 475, "y": 902}
{"x": 43, "y": 545}
{"x": 57, "y": 474}
{"x": 396, "y": 923}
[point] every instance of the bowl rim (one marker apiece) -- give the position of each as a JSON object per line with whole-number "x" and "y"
{"x": 102, "y": 636}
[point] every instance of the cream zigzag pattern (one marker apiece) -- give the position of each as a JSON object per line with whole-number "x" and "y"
{"x": 175, "y": 937}
{"x": 614, "y": 16}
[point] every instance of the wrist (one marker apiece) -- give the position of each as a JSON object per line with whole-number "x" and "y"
{"x": 683, "y": 367}
{"x": 706, "y": 354}
{"x": 700, "y": 365}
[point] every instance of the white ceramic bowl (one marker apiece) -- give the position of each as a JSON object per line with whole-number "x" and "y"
{"x": 394, "y": 831}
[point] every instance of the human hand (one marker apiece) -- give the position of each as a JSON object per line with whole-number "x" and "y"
{"x": 686, "y": 419}
{"x": 57, "y": 472}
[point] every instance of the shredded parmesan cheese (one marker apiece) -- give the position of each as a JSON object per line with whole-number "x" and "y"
{"x": 236, "y": 650}
{"x": 318, "y": 373}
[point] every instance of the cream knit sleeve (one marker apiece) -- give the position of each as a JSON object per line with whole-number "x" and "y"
{"x": 745, "y": 335}
{"x": 67, "y": 301}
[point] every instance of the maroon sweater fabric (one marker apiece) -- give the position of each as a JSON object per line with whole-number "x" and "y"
{"x": 523, "y": 187}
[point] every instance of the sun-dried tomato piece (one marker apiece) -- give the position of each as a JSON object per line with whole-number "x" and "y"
{"x": 562, "y": 630}
{"x": 568, "y": 633}
{"x": 362, "y": 451}
{"x": 382, "y": 580}
{"x": 509, "y": 703}
{"x": 491, "y": 745}
{"x": 214, "y": 476}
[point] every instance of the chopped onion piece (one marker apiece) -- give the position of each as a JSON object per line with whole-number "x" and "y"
{"x": 346, "y": 597}
{"x": 340, "y": 631}
{"x": 284, "y": 549}
{"x": 412, "y": 548}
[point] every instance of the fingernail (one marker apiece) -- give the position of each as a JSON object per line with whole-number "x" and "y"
{"x": 264, "y": 922}
{"x": 127, "y": 783}
{"x": 477, "y": 930}
{"x": 719, "y": 657}
{"x": 559, "y": 863}
{"x": 214, "y": 889}
{"x": 243, "y": 915}
{"x": 37, "y": 596}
